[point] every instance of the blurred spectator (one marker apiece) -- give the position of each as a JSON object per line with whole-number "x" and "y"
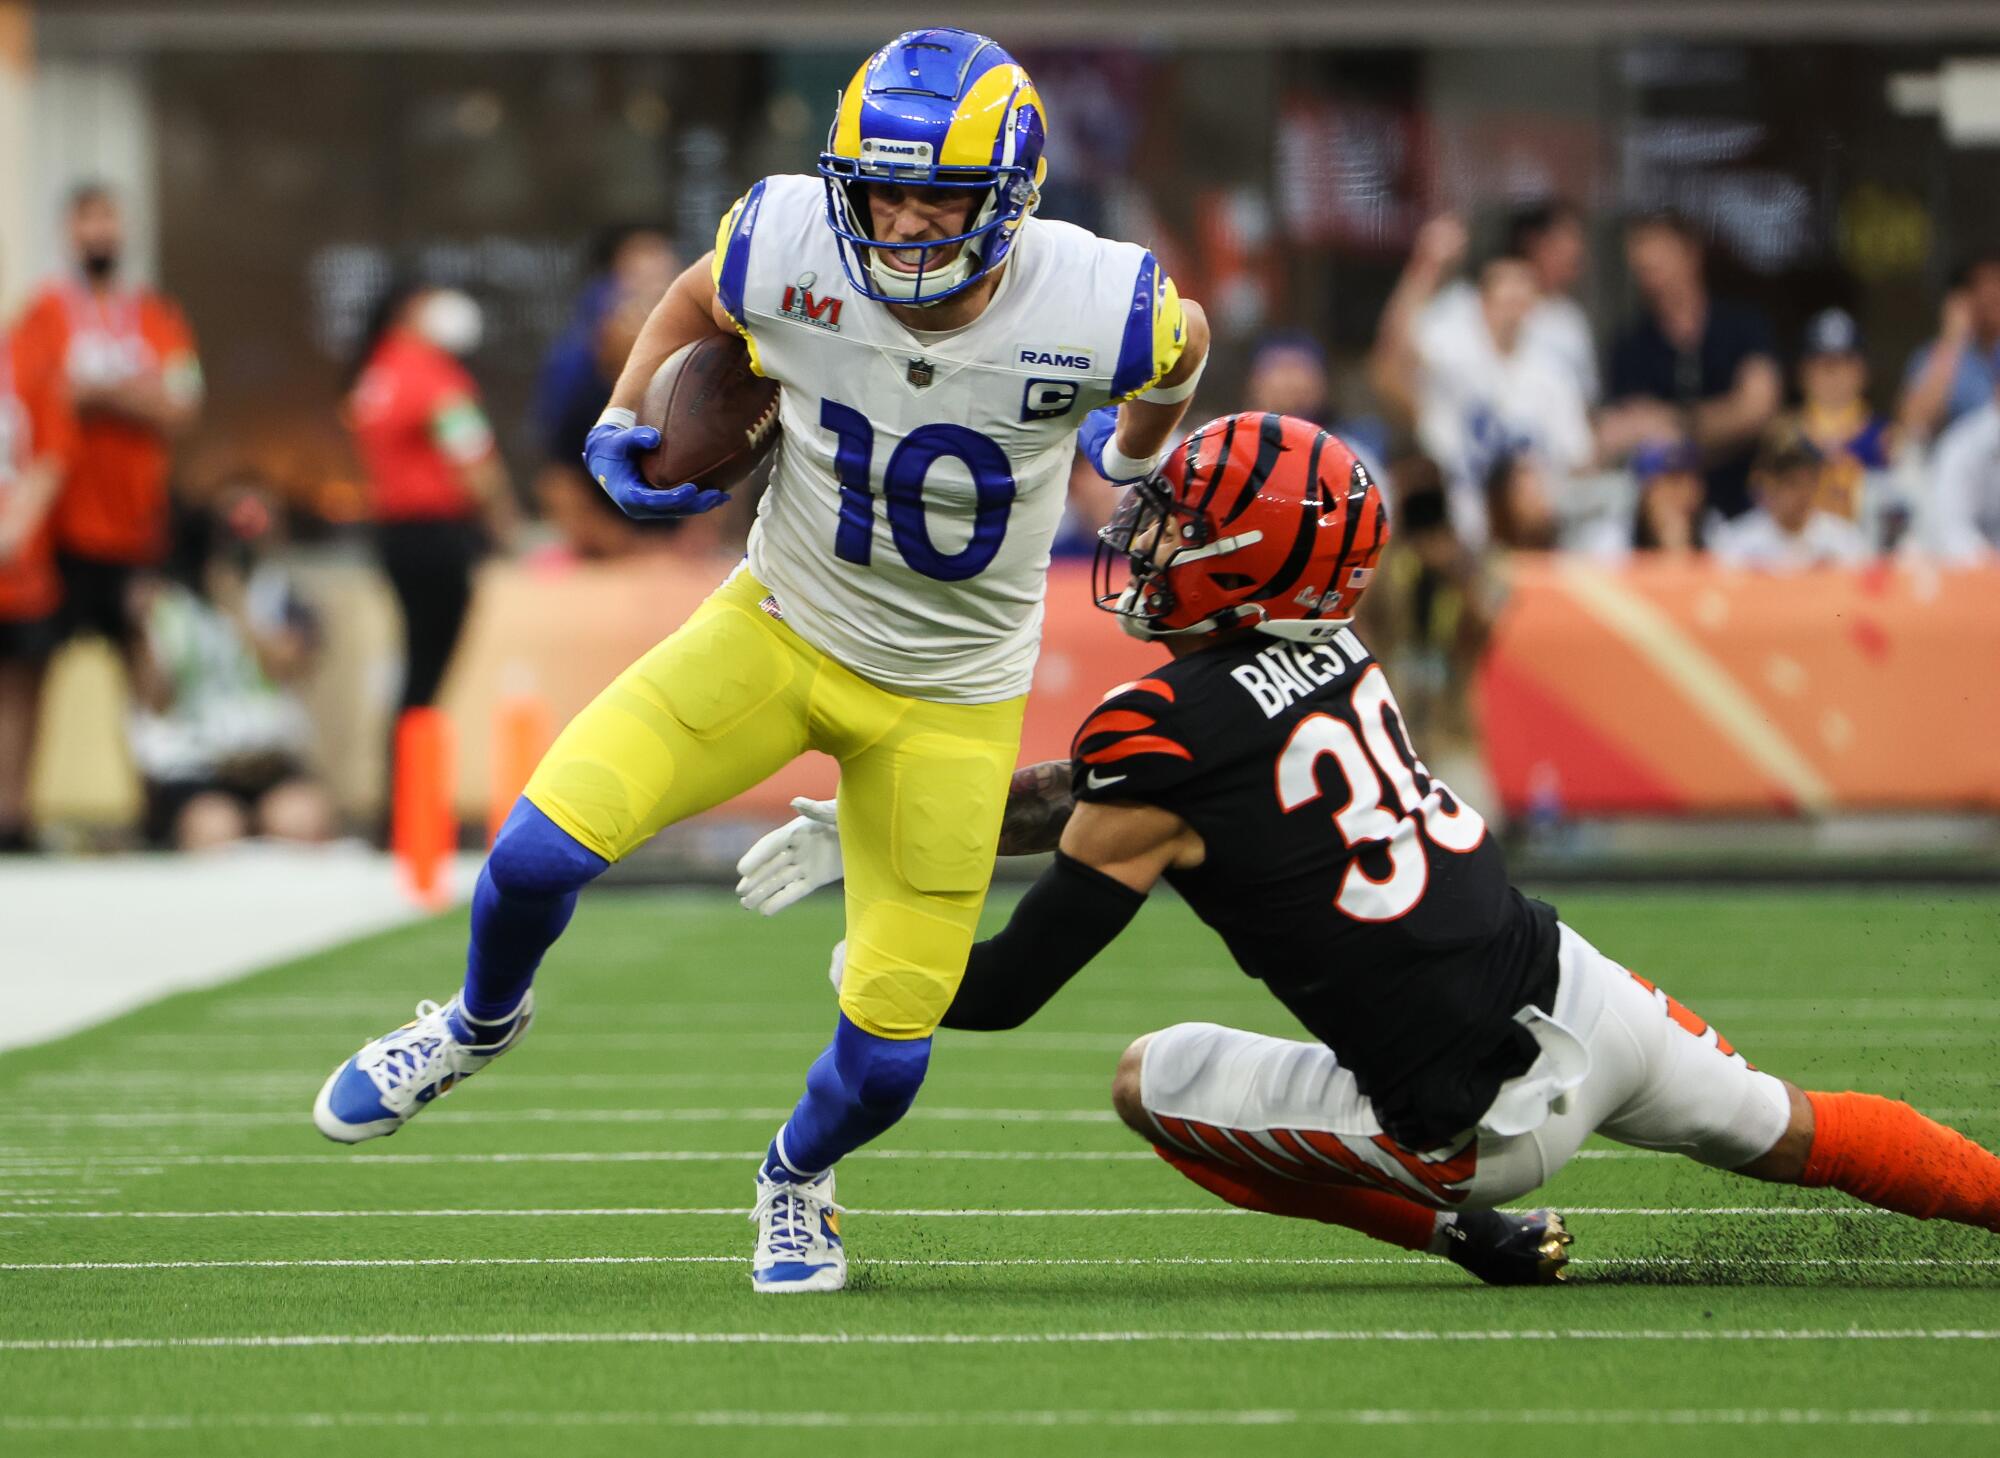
{"x": 37, "y": 446}
{"x": 1956, "y": 373}
{"x": 1288, "y": 377}
{"x": 219, "y": 735}
{"x": 1787, "y": 529}
{"x": 434, "y": 476}
{"x": 1520, "y": 512}
{"x": 1431, "y": 610}
{"x": 1549, "y": 238}
{"x": 135, "y": 383}
{"x": 1671, "y": 517}
{"x": 1834, "y": 417}
{"x": 1490, "y": 398}
{"x": 633, "y": 262}
{"x": 588, "y": 522}
{"x": 1691, "y": 367}
{"x": 1960, "y": 517}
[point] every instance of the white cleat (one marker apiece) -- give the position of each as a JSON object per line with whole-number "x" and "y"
{"x": 389, "y": 1081}
{"x": 798, "y": 1236}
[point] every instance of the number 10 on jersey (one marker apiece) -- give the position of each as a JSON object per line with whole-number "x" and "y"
{"x": 903, "y": 490}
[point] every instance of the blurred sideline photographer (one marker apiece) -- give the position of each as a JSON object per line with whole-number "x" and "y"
{"x": 135, "y": 382}
{"x": 219, "y": 732}
{"x": 438, "y": 490}
{"x": 37, "y": 449}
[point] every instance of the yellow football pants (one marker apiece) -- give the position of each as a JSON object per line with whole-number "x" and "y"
{"x": 734, "y": 695}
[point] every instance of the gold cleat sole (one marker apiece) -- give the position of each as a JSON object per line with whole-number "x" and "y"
{"x": 1554, "y": 1249}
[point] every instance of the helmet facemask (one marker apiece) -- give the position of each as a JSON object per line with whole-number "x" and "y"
{"x": 1151, "y": 534}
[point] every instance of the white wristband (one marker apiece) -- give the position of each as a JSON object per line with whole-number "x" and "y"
{"x": 1175, "y": 394}
{"x": 1120, "y": 467}
{"x": 618, "y": 416}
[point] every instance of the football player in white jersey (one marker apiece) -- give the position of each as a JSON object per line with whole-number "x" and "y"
{"x": 940, "y": 353}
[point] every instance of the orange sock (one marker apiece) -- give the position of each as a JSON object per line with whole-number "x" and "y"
{"x": 1386, "y": 1217}
{"x": 1885, "y": 1152}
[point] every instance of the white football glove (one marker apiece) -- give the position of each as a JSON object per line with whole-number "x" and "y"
{"x": 793, "y": 861}
{"x": 837, "y": 968}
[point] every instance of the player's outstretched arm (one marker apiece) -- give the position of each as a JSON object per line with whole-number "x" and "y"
{"x": 1109, "y": 858}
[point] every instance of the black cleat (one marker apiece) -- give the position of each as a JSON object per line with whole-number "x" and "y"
{"x": 1511, "y": 1250}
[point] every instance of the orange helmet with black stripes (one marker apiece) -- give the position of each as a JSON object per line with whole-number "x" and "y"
{"x": 1255, "y": 520}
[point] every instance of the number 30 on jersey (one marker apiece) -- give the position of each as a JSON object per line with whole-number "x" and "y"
{"x": 903, "y": 489}
{"x": 1365, "y": 761}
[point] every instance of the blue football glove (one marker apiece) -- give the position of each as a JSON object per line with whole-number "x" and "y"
{"x": 1097, "y": 437}
{"x": 610, "y": 454}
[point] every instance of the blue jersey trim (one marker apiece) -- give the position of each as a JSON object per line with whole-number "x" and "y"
{"x": 1135, "y": 351}
{"x": 736, "y": 256}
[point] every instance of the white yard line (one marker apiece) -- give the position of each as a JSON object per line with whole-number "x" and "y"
{"x": 993, "y": 1339}
{"x": 1052, "y": 1213}
{"x": 166, "y": 1118}
{"x": 1259, "y": 1417}
{"x": 421, "y": 1262}
{"x": 138, "y": 1163}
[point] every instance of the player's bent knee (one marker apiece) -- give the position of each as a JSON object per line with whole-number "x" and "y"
{"x": 533, "y": 856}
{"x": 1127, "y": 1095}
{"x": 880, "y": 1073}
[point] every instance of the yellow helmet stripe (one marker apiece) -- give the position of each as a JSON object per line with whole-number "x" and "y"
{"x": 847, "y": 121}
{"x": 976, "y": 125}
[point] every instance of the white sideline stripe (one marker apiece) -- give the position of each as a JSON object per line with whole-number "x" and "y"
{"x": 1413, "y": 1259}
{"x": 1702, "y": 681}
{"x": 540, "y": 1212}
{"x": 129, "y": 1163}
{"x": 990, "y": 1339}
{"x": 168, "y": 1118}
{"x": 1031, "y": 1418}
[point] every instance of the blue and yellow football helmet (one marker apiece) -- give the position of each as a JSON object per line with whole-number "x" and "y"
{"x": 935, "y": 108}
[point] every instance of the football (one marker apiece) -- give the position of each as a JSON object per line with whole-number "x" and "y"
{"x": 717, "y": 418}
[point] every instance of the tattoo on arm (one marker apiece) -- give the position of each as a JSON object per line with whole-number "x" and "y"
{"x": 1038, "y": 807}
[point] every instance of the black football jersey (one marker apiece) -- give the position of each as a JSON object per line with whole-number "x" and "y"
{"x": 1371, "y": 900}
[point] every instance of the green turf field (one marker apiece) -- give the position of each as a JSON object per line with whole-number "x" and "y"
{"x": 555, "y": 1259}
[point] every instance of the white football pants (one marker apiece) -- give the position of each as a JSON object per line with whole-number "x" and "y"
{"x": 1620, "y": 1058}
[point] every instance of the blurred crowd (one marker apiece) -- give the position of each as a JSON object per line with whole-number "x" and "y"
{"x": 1499, "y": 415}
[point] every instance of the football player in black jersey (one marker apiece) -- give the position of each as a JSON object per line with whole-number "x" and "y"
{"x": 1467, "y": 1041}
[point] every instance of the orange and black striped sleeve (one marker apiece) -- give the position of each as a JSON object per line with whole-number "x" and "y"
{"x": 1131, "y": 747}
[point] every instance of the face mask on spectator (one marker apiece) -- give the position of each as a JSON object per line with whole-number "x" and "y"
{"x": 452, "y": 321}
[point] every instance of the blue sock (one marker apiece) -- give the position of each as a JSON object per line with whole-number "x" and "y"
{"x": 856, "y": 1089}
{"x": 526, "y": 892}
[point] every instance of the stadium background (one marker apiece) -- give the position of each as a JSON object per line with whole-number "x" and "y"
{"x": 277, "y": 160}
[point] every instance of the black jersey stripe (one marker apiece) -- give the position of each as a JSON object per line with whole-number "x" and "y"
{"x": 1270, "y": 444}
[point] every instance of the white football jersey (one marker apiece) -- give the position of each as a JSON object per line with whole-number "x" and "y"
{"x": 921, "y": 476}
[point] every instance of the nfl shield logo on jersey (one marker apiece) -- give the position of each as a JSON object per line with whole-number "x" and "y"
{"x": 922, "y": 372}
